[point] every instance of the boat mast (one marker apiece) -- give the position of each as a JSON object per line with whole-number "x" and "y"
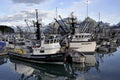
{"x": 72, "y": 24}
{"x": 38, "y": 33}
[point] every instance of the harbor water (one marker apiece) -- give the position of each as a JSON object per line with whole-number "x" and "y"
{"x": 99, "y": 66}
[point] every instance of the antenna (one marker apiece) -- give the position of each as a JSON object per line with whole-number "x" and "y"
{"x": 56, "y": 12}
{"x": 99, "y": 16}
{"x": 87, "y": 8}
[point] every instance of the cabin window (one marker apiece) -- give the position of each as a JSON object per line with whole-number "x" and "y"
{"x": 58, "y": 40}
{"x": 55, "y": 41}
{"x": 46, "y": 41}
{"x": 51, "y": 37}
{"x": 51, "y": 41}
{"x": 27, "y": 41}
{"x": 22, "y": 43}
{"x": 42, "y": 50}
{"x": 42, "y": 38}
{"x": 76, "y": 36}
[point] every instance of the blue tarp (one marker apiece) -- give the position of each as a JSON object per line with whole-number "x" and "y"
{"x": 2, "y": 45}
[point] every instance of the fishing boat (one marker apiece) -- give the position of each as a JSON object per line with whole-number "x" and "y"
{"x": 2, "y": 45}
{"x": 47, "y": 52}
{"x": 80, "y": 40}
{"x": 43, "y": 50}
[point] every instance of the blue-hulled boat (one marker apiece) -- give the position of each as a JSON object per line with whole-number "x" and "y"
{"x": 2, "y": 45}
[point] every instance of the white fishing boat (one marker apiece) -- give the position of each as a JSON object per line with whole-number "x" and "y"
{"x": 16, "y": 41}
{"x": 81, "y": 40}
{"x": 45, "y": 49}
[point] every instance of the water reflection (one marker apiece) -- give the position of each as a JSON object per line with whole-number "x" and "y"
{"x": 107, "y": 48}
{"x": 41, "y": 71}
{"x": 106, "y": 51}
{"x": 101, "y": 55}
{"x": 3, "y": 60}
{"x": 97, "y": 66}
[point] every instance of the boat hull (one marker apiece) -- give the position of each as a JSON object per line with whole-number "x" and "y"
{"x": 57, "y": 58}
{"x": 2, "y": 45}
{"x": 83, "y": 46}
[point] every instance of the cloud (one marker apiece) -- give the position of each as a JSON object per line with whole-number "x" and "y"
{"x": 29, "y": 1}
{"x": 61, "y": 3}
{"x": 106, "y": 17}
{"x": 77, "y": 5}
{"x": 111, "y": 18}
{"x": 22, "y": 15}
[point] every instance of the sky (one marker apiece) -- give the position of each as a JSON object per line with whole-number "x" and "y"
{"x": 14, "y": 12}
